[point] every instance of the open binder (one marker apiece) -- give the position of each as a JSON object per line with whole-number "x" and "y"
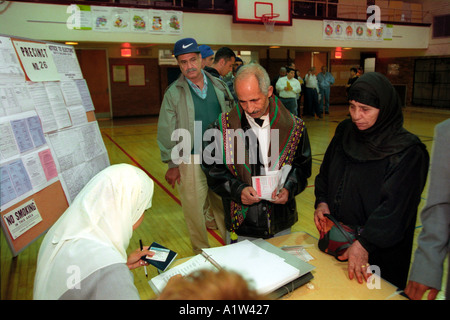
{"x": 267, "y": 269}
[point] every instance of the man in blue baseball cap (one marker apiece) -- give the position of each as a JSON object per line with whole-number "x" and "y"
{"x": 186, "y": 45}
{"x": 190, "y": 104}
{"x": 207, "y": 55}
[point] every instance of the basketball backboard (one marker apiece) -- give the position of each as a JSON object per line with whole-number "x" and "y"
{"x": 252, "y": 11}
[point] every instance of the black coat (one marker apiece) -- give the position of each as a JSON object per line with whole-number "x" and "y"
{"x": 380, "y": 195}
{"x": 225, "y": 184}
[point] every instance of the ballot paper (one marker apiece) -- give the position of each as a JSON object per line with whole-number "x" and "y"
{"x": 272, "y": 182}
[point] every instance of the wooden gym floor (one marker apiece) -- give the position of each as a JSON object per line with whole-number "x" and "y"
{"x": 133, "y": 141}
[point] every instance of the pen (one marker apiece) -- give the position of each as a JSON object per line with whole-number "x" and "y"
{"x": 145, "y": 267}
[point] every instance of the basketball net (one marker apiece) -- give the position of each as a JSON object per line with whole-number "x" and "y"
{"x": 268, "y": 20}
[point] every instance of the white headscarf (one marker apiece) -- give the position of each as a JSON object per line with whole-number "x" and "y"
{"x": 94, "y": 232}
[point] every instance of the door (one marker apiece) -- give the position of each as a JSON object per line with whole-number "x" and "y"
{"x": 94, "y": 65}
{"x": 432, "y": 83}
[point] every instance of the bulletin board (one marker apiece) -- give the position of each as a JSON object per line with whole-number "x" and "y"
{"x": 50, "y": 145}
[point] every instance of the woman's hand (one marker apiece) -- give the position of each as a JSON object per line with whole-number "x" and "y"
{"x": 134, "y": 259}
{"x": 358, "y": 262}
{"x": 319, "y": 218}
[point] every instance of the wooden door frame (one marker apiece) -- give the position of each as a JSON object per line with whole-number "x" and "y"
{"x": 104, "y": 115}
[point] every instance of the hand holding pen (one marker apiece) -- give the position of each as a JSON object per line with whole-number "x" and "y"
{"x": 134, "y": 259}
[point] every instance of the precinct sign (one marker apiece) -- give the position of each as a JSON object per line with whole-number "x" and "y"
{"x": 22, "y": 219}
{"x": 37, "y": 60}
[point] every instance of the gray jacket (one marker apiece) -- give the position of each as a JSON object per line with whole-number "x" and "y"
{"x": 434, "y": 239}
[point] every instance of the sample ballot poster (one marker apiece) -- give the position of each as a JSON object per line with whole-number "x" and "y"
{"x": 48, "y": 148}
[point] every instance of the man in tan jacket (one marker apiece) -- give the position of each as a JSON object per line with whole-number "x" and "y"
{"x": 190, "y": 104}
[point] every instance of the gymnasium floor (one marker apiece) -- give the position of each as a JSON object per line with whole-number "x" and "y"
{"x": 133, "y": 141}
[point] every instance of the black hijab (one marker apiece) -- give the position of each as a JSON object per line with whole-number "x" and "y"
{"x": 387, "y": 136}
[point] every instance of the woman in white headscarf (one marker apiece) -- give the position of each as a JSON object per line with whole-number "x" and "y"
{"x": 83, "y": 256}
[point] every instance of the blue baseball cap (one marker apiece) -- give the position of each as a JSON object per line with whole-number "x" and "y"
{"x": 186, "y": 45}
{"x": 206, "y": 51}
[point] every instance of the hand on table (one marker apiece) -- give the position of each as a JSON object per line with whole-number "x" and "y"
{"x": 358, "y": 262}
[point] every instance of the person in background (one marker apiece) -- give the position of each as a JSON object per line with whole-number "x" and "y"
{"x": 195, "y": 97}
{"x": 229, "y": 78}
{"x": 372, "y": 176}
{"x": 84, "y": 254}
{"x": 302, "y": 85}
{"x": 288, "y": 90}
{"x": 325, "y": 80}
{"x": 223, "y": 63}
{"x": 434, "y": 239}
{"x": 311, "y": 107}
{"x": 207, "y": 55}
{"x": 353, "y": 77}
{"x": 262, "y": 119}
{"x": 281, "y": 73}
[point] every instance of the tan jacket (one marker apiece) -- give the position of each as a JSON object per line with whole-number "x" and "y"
{"x": 177, "y": 112}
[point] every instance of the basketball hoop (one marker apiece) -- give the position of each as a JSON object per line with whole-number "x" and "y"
{"x": 268, "y": 20}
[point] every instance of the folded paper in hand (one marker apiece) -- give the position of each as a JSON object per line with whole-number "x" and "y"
{"x": 272, "y": 181}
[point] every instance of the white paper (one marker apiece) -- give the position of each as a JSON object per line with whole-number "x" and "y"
{"x": 66, "y": 61}
{"x": 77, "y": 115}
{"x": 14, "y": 98}
{"x": 79, "y": 154}
{"x": 75, "y": 178}
{"x": 10, "y": 69}
{"x": 42, "y": 105}
{"x": 197, "y": 262}
{"x": 71, "y": 93}
{"x": 57, "y": 104}
{"x": 9, "y": 103}
{"x": 85, "y": 95}
{"x": 8, "y": 145}
{"x": 263, "y": 270}
{"x": 36, "y": 173}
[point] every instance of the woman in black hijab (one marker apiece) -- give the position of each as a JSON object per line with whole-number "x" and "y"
{"x": 372, "y": 176}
